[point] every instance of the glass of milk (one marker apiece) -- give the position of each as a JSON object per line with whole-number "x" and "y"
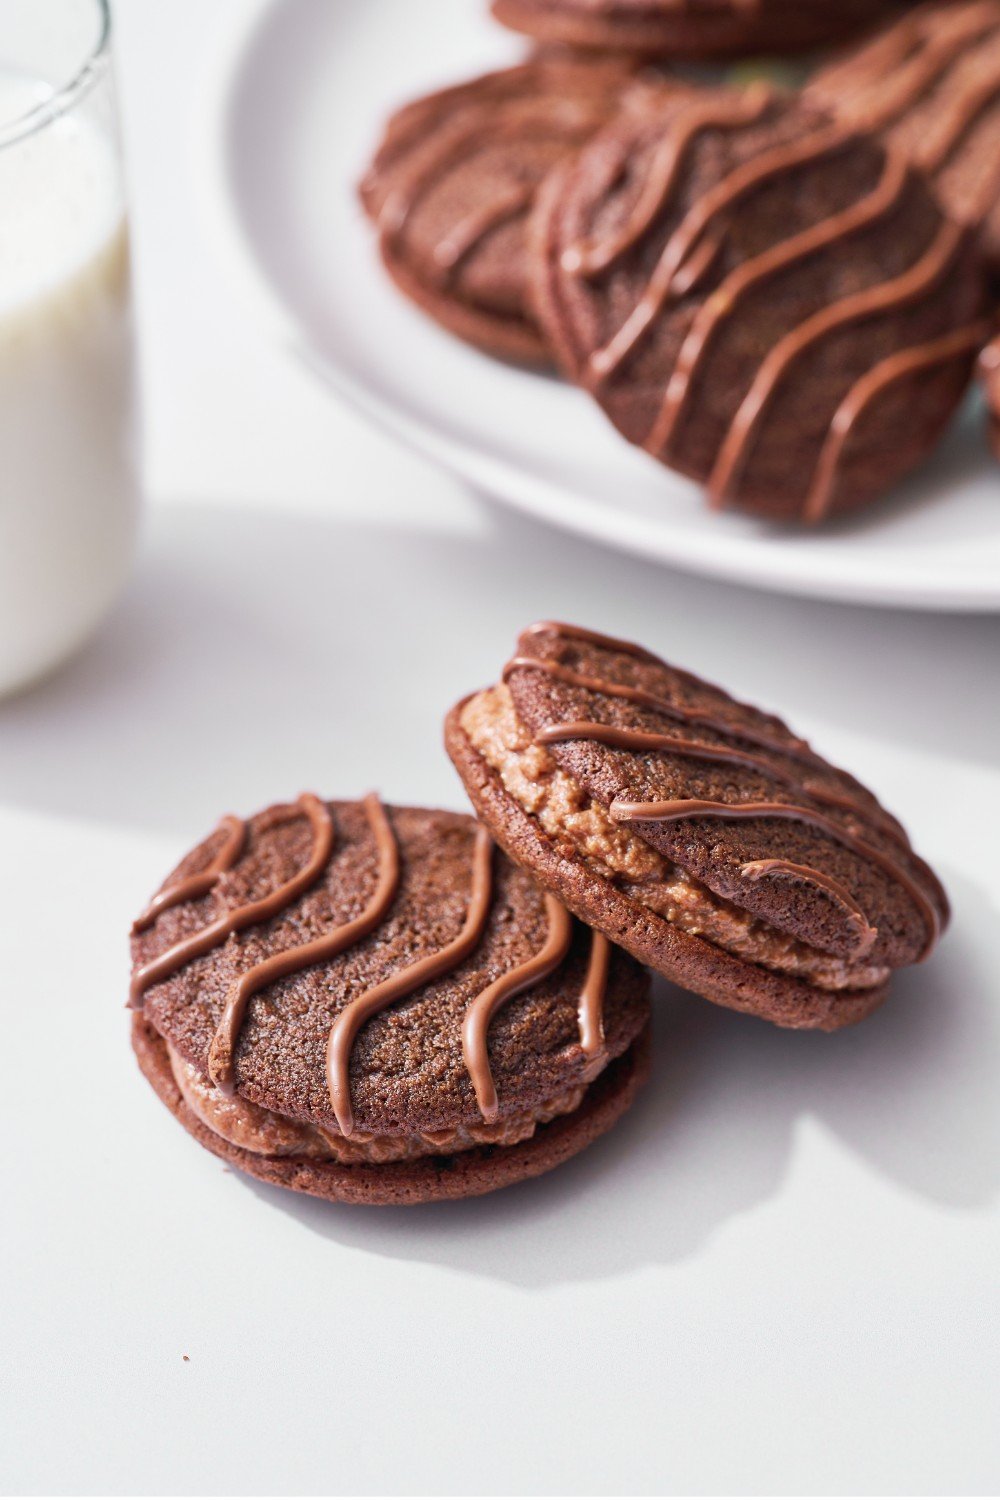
{"x": 68, "y": 496}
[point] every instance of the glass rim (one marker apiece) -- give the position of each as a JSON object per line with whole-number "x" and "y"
{"x": 67, "y": 95}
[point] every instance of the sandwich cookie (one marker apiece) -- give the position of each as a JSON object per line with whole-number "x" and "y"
{"x": 372, "y": 1004}
{"x": 697, "y": 832}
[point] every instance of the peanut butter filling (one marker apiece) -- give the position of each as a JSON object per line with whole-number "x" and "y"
{"x": 266, "y": 1133}
{"x": 566, "y": 814}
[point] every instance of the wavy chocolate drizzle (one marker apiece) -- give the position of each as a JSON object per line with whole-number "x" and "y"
{"x": 320, "y": 950}
{"x": 703, "y": 218}
{"x": 874, "y": 301}
{"x": 758, "y": 869}
{"x": 691, "y": 807}
{"x": 591, "y": 1008}
{"x": 345, "y": 1029}
{"x": 241, "y": 917}
{"x": 903, "y": 64}
{"x": 589, "y": 258}
{"x": 424, "y": 971}
{"x": 866, "y": 391}
{"x": 485, "y": 1006}
{"x": 724, "y": 302}
{"x": 641, "y": 739}
{"x": 470, "y": 132}
{"x": 198, "y": 885}
{"x": 926, "y": 83}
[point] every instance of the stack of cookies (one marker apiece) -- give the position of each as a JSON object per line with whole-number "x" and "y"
{"x": 782, "y": 295}
{"x": 379, "y": 1004}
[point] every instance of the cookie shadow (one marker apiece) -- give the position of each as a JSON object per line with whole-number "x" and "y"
{"x": 911, "y": 1092}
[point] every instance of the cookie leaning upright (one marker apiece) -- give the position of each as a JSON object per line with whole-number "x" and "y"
{"x": 760, "y": 298}
{"x": 455, "y": 178}
{"x": 695, "y": 831}
{"x": 930, "y": 85}
{"x": 695, "y": 28}
{"x": 372, "y": 1004}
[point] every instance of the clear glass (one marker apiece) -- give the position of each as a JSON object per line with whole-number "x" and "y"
{"x": 68, "y": 494}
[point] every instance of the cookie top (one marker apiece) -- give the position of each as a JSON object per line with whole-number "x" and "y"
{"x": 703, "y": 809}
{"x": 763, "y": 300}
{"x": 694, "y": 29}
{"x": 454, "y": 180}
{"x": 378, "y": 969}
{"x": 930, "y": 84}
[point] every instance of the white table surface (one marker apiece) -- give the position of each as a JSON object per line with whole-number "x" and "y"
{"x": 779, "y": 1275}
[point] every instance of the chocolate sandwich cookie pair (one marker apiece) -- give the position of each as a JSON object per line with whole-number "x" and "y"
{"x": 380, "y": 1004}
{"x": 781, "y": 296}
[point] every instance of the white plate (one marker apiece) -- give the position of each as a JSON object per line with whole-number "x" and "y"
{"x": 310, "y": 89}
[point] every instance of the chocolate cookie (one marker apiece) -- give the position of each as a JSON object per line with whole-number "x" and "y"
{"x": 990, "y": 370}
{"x": 372, "y": 1004}
{"x": 694, "y": 29}
{"x": 762, "y": 300}
{"x": 697, "y": 832}
{"x": 930, "y": 84}
{"x": 454, "y": 180}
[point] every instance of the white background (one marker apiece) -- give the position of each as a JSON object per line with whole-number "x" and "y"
{"x": 779, "y": 1274}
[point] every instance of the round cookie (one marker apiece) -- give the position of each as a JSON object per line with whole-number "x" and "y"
{"x": 930, "y": 85}
{"x": 694, "y": 29}
{"x": 372, "y": 1004}
{"x": 454, "y": 180}
{"x": 764, "y": 301}
{"x": 695, "y": 831}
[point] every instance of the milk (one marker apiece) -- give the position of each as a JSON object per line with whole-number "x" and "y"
{"x": 67, "y": 487}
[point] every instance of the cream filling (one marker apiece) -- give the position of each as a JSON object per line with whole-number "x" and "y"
{"x": 568, "y": 816}
{"x": 266, "y": 1133}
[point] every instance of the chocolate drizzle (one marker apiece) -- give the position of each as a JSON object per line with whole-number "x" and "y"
{"x": 784, "y": 744}
{"x": 757, "y": 869}
{"x": 342, "y": 936}
{"x": 707, "y": 217}
{"x": 485, "y": 1006}
{"x": 946, "y": 58}
{"x": 867, "y": 390}
{"x": 724, "y": 302}
{"x": 595, "y": 985}
{"x": 560, "y": 105}
{"x": 198, "y": 885}
{"x": 590, "y": 258}
{"x": 320, "y": 950}
{"x": 872, "y": 302}
{"x": 216, "y": 933}
{"x": 424, "y": 971}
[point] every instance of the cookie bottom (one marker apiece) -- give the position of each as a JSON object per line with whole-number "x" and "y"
{"x": 691, "y": 962}
{"x": 429, "y": 1179}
